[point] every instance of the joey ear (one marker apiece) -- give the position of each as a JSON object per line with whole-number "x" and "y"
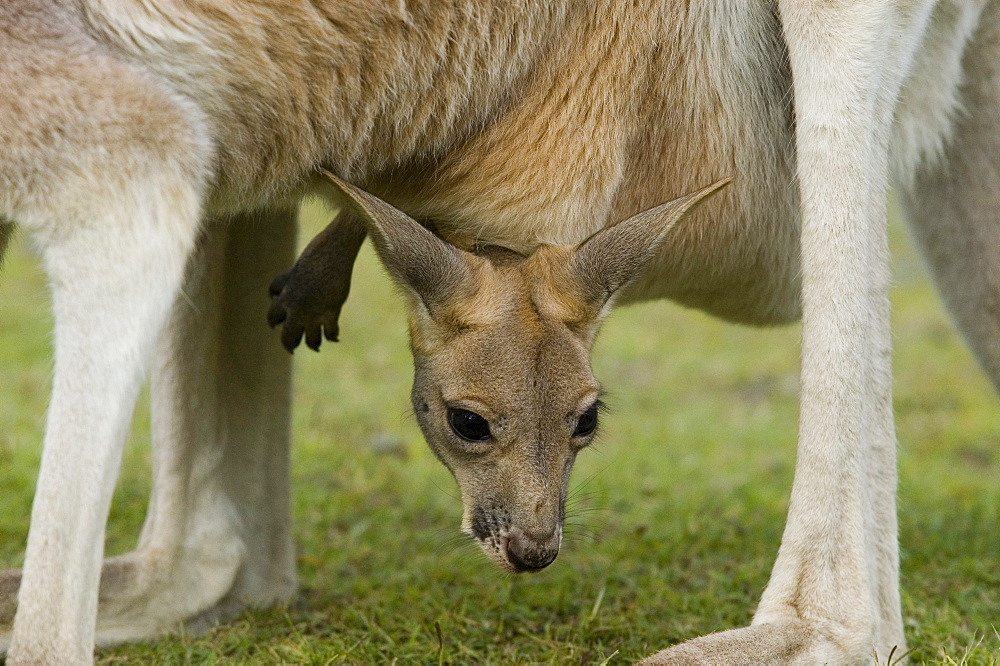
{"x": 613, "y": 257}
{"x": 420, "y": 262}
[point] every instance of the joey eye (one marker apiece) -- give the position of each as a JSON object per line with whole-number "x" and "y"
{"x": 468, "y": 425}
{"x": 587, "y": 423}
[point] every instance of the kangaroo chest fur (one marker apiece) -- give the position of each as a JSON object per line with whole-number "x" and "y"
{"x": 517, "y": 125}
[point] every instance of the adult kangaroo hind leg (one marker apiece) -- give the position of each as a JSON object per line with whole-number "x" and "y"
{"x": 6, "y": 232}
{"x": 833, "y": 597}
{"x": 952, "y": 201}
{"x": 114, "y": 205}
{"x": 107, "y": 170}
{"x": 217, "y": 532}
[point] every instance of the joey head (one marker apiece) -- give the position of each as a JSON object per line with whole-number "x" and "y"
{"x": 503, "y": 390}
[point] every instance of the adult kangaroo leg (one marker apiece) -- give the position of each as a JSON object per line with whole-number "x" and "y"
{"x": 833, "y": 596}
{"x": 216, "y": 536}
{"x": 6, "y": 232}
{"x": 951, "y": 202}
{"x": 104, "y": 322}
{"x": 115, "y": 253}
{"x": 106, "y": 169}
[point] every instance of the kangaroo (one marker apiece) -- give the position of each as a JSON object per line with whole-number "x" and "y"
{"x": 156, "y": 152}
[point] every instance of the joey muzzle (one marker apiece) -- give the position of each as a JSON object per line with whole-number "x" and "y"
{"x": 524, "y": 549}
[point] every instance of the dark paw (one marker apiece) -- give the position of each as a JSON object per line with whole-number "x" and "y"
{"x": 307, "y": 300}
{"x": 304, "y": 308}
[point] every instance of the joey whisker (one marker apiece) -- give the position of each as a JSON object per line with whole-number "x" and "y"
{"x": 588, "y": 536}
{"x": 579, "y": 528}
{"x": 585, "y": 500}
{"x": 459, "y": 549}
{"x": 575, "y": 522}
{"x": 447, "y": 492}
{"x": 579, "y": 537}
{"x": 455, "y": 542}
{"x": 578, "y": 511}
{"x": 579, "y": 487}
{"x": 583, "y": 510}
{"x": 448, "y": 532}
{"x": 579, "y": 494}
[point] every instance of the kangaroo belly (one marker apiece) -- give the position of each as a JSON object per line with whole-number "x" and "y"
{"x": 617, "y": 125}
{"x": 527, "y": 124}
{"x": 721, "y": 105}
{"x": 620, "y": 125}
{"x": 525, "y": 131}
{"x": 724, "y": 108}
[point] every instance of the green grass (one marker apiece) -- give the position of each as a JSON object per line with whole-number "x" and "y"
{"x": 682, "y": 506}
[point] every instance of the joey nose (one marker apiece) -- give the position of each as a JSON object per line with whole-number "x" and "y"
{"x": 531, "y": 552}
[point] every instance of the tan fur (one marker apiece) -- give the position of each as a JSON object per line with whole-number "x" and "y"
{"x": 512, "y": 124}
{"x": 133, "y": 131}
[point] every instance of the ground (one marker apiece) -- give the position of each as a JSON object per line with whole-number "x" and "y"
{"x": 675, "y": 520}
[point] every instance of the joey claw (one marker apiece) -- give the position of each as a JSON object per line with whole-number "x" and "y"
{"x": 276, "y": 313}
{"x": 290, "y": 307}
{"x": 314, "y": 336}
{"x": 331, "y": 329}
{"x": 291, "y": 335}
{"x": 278, "y": 284}
{"x": 308, "y": 305}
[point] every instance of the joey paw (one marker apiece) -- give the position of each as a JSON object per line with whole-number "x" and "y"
{"x": 306, "y": 304}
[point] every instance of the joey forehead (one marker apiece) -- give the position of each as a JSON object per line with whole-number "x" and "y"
{"x": 517, "y": 360}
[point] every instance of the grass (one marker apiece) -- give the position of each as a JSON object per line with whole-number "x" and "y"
{"x": 677, "y": 522}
